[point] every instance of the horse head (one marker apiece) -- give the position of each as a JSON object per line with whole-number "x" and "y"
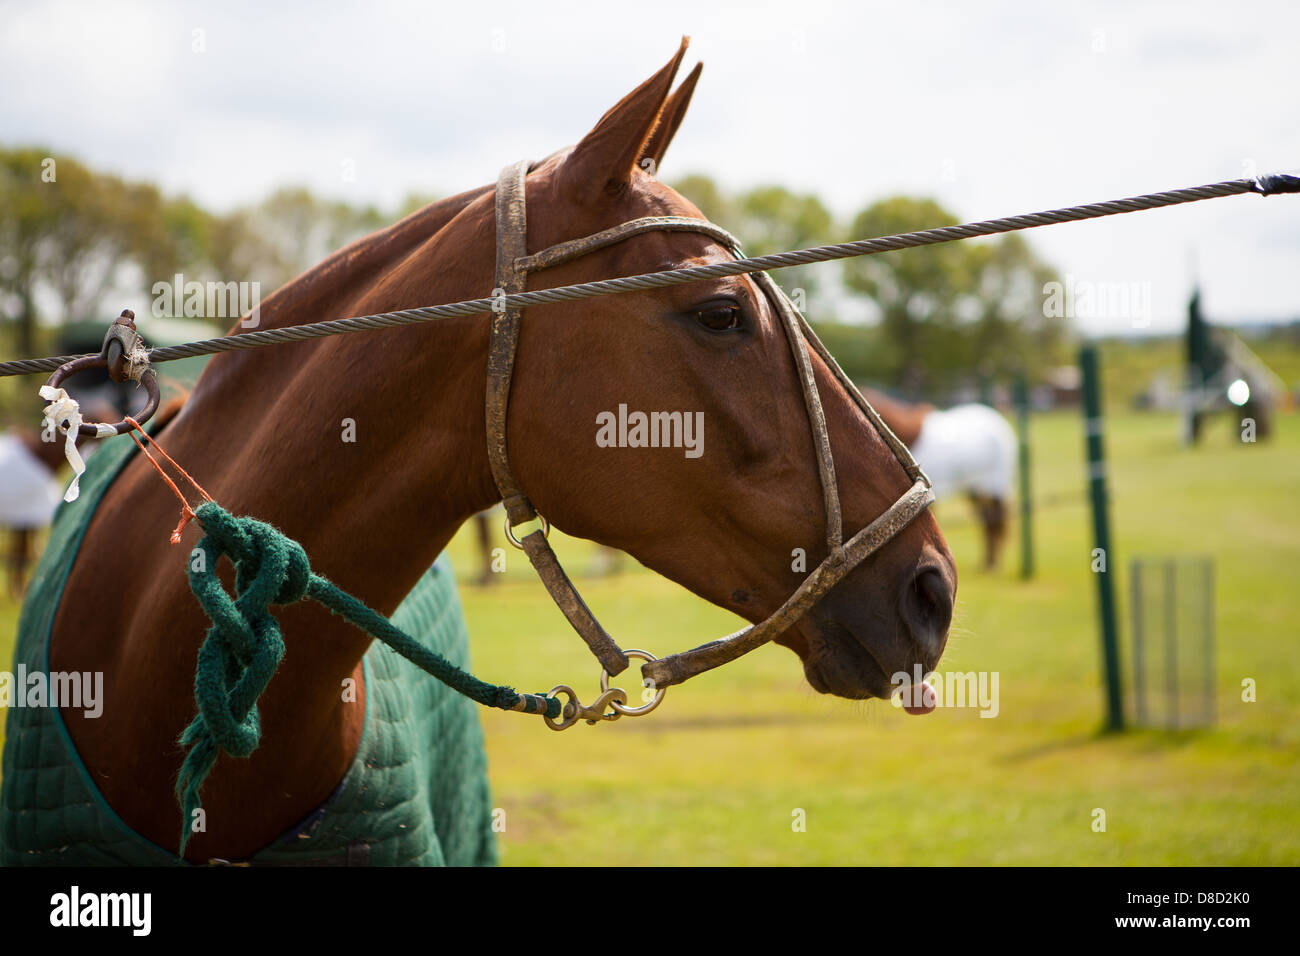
{"x": 670, "y": 423}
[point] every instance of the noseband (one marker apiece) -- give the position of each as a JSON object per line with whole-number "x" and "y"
{"x": 512, "y": 268}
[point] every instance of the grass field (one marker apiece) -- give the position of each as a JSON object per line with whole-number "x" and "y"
{"x": 716, "y": 774}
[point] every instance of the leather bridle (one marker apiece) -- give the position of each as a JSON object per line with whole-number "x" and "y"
{"x": 512, "y": 268}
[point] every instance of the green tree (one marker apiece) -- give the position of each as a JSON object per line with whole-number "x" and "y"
{"x": 25, "y": 205}
{"x": 287, "y": 233}
{"x": 915, "y": 290}
{"x": 774, "y": 219}
{"x": 67, "y": 231}
{"x": 1012, "y": 332}
{"x": 178, "y": 239}
{"x": 768, "y": 219}
{"x": 708, "y": 198}
{"x": 238, "y": 251}
{"x": 861, "y": 351}
{"x": 68, "y": 235}
{"x": 953, "y": 311}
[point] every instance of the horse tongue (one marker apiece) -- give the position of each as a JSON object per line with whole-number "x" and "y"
{"x": 928, "y": 700}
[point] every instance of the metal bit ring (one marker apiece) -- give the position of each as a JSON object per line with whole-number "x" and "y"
{"x": 510, "y": 531}
{"x": 147, "y": 379}
{"x": 645, "y": 708}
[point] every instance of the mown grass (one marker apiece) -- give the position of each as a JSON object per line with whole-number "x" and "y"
{"x": 716, "y": 775}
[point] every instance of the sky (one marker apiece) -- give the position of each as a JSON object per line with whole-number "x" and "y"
{"x": 992, "y": 108}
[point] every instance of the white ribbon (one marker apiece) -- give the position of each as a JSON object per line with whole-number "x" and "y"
{"x": 63, "y": 407}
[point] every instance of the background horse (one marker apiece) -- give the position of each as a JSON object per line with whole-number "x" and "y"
{"x": 262, "y": 433}
{"x": 29, "y": 465}
{"x": 29, "y": 493}
{"x": 967, "y": 448}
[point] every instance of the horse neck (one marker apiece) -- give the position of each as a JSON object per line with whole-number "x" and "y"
{"x": 367, "y": 448}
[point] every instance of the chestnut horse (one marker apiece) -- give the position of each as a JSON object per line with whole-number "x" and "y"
{"x": 969, "y": 448}
{"x": 261, "y": 432}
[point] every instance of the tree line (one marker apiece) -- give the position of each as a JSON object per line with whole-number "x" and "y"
{"x": 946, "y": 315}
{"x": 938, "y": 316}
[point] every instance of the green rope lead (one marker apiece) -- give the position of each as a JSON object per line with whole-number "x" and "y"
{"x": 244, "y": 647}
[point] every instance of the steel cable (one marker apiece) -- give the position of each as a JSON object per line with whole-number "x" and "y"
{"x": 1264, "y": 185}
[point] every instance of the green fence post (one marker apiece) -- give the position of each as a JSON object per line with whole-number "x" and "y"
{"x": 1101, "y": 535}
{"x": 1021, "y": 396}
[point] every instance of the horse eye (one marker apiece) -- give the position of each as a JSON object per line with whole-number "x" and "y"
{"x": 719, "y": 318}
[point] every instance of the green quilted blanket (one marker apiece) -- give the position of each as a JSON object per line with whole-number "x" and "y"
{"x": 416, "y": 794}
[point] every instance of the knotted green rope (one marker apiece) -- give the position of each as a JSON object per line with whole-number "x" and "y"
{"x": 243, "y": 647}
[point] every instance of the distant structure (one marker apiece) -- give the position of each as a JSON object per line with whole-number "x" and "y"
{"x": 1224, "y": 374}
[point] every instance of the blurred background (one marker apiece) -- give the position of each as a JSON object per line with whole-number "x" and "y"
{"x": 216, "y": 143}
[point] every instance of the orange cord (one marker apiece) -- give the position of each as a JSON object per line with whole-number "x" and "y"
{"x": 187, "y": 513}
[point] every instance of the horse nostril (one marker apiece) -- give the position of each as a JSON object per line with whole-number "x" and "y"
{"x": 927, "y": 609}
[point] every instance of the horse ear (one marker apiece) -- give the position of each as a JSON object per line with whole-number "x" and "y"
{"x": 670, "y": 117}
{"x": 603, "y": 162}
